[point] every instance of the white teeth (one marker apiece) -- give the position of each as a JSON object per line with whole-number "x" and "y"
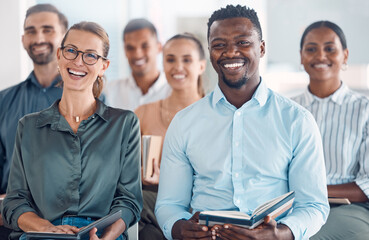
{"x": 233, "y": 65}
{"x": 321, "y": 65}
{"x": 178, "y": 76}
{"x": 140, "y": 62}
{"x": 40, "y": 47}
{"x": 77, "y": 73}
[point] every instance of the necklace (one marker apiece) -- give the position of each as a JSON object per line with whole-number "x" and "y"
{"x": 165, "y": 115}
{"x": 77, "y": 118}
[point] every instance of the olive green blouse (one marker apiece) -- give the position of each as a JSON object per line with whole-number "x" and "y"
{"x": 90, "y": 173}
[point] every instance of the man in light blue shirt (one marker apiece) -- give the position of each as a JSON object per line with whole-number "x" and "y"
{"x": 241, "y": 146}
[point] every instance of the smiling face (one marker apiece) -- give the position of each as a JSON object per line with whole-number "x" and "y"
{"x": 235, "y": 51}
{"x": 182, "y": 64}
{"x": 322, "y": 55}
{"x": 77, "y": 75}
{"x": 142, "y": 48}
{"x": 42, "y": 35}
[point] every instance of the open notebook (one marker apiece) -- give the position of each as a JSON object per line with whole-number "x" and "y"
{"x": 273, "y": 208}
{"x": 100, "y": 224}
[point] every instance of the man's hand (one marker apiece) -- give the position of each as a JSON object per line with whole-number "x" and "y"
{"x": 268, "y": 230}
{"x": 154, "y": 178}
{"x": 190, "y": 229}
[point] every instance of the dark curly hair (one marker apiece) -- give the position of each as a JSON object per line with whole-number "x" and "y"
{"x": 231, "y": 11}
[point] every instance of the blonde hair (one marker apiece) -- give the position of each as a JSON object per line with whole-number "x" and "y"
{"x": 101, "y": 33}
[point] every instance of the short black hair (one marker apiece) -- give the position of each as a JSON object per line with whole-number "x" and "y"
{"x": 48, "y": 8}
{"x": 138, "y": 24}
{"x": 231, "y": 11}
{"x": 319, "y": 24}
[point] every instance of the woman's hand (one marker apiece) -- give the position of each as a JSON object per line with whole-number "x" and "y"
{"x": 30, "y": 221}
{"x": 154, "y": 179}
{"x": 93, "y": 235}
{"x": 60, "y": 229}
{"x": 110, "y": 233}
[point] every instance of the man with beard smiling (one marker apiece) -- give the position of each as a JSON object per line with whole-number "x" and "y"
{"x": 44, "y": 28}
{"x": 241, "y": 146}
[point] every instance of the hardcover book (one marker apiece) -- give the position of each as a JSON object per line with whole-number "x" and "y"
{"x": 151, "y": 148}
{"x": 273, "y": 208}
{"x": 100, "y": 224}
{"x": 343, "y": 201}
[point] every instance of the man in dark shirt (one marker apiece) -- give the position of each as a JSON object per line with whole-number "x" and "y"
{"x": 44, "y": 28}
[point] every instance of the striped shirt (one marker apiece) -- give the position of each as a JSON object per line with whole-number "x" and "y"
{"x": 343, "y": 120}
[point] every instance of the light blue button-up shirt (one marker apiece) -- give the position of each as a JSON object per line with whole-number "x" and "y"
{"x": 218, "y": 157}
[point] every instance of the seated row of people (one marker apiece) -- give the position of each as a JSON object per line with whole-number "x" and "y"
{"x": 239, "y": 146}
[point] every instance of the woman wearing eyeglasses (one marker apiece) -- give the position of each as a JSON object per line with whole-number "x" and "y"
{"x": 78, "y": 160}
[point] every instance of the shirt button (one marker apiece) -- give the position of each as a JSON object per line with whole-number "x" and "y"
{"x": 44, "y": 90}
{"x": 238, "y": 201}
{"x": 236, "y": 175}
{"x": 236, "y": 144}
{"x": 238, "y": 113}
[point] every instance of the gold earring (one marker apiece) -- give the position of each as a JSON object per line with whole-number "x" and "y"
{"x": 344, "y": 67}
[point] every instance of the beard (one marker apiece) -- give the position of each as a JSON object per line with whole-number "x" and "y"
{"x": 235, "y": 84}
{"x": 44, "y": 58}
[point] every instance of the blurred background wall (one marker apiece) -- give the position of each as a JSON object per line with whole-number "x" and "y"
{"x": 283, "y": 22}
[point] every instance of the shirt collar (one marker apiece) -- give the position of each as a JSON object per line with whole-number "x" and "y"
{"x": 337, "y": 97}
{"x": 52, "y": 115}
{"x": 158, "y": 84}
{"x": 32, "y": 77}
{"x": 260, "y": 95}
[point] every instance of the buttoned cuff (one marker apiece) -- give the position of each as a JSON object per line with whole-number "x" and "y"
{"x": 127, "y": 216}
{"x": 296, "y": 230}
{"x": 167, "y": 228}
{"x": 17, "y": 213}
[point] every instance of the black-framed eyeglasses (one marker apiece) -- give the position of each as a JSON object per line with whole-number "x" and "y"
{"x": 89, "y": 58}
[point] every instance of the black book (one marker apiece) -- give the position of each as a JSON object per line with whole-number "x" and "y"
{"x": 100, "y": 224}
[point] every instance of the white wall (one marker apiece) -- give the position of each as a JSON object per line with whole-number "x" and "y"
{"x": 15, "y": 64}
{"x": 279, "y": 67}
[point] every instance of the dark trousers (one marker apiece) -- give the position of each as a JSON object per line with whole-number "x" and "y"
{"x": 346, "y": 222}
{"x": 4, "y": 232}
{"x": 148, "y": 226}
